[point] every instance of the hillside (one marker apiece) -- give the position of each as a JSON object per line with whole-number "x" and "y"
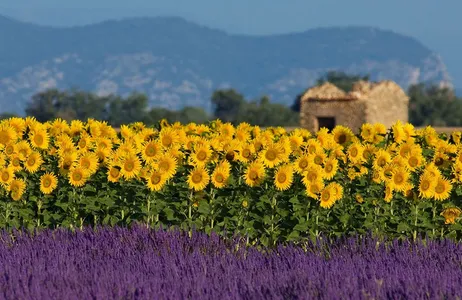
{"x": 180, "y": 63}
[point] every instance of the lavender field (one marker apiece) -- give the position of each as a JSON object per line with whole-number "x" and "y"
{"x": 139, "y": 263}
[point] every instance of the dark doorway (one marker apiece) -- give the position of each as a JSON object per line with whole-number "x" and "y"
{"x": 327, "y": 122}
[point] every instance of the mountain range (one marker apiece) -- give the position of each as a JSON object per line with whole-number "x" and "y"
{"x": 178, "y": 63}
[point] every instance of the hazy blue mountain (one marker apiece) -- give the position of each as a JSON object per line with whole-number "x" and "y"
{"x": 180, "y": 63}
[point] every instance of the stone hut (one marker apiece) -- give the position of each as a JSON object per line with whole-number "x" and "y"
{"x": 368, "y": 102}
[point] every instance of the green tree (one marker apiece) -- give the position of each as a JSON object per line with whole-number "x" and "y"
{"x": 227, "y": 105}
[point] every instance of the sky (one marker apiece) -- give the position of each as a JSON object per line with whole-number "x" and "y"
{"x": 432, "y": 22}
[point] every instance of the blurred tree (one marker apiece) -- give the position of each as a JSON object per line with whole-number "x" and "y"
{"x": 227, "y": 105}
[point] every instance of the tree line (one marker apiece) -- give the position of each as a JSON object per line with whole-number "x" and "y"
{"x": 429, "y": 105}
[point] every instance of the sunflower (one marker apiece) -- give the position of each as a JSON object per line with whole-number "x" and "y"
{"x": 355, "y": 153}
{"x": 399, "y": 179}
{"x": 226, "y": 130}
{"x": 156, "y": 180}
{"x": 327, "y": 197}
{"x": 198, "y": 179}
{"x": 314, "y": 188}
{"x": 330, "y": 168}
{"x": 367, "y": 132}
{"x": 7, "y": 134}
{"x": 284, "y": 177}
{"x": 48, "y": 182}
{"x": 6, "y": 176}
{"x": 40, "y": 138}
{"x": 9, "y": 149}
{"x": 67, "y": 161}
{"x": 313, "y": 173}
{"x": 89, "y": 162}
{"x": 130, "y": 166}
{"x": 399, "y": 135}
{"x": 23, "y": 149}
{"x": 379, "y": 132}
{"x": 167, "y": 164}
{"x": 245, "y": 152}
{"x": 15, "y": 162}
{"x": 442, "y": 189}
{"x": 342, "y": 135}
{"x": 168, "y": 137}
{"x": 301, "y": 163}
{"x": 322, "y": 136}
{"x": 271, "y": 155}
{"x": 414, "y": 160}
{"x": 427, "y": 184}
{"x": 151, "y": 150}
{"x": 254, "y": 174}
{"x": 451, "y": 214}
{"x": 382, "y": 158}
{"x": 221, "y": 174}
{"x": 113, "y": 173}
{"x": 17, "y": 188}
{"x": 389, "y": 189}
{"x": 33, "y": 162}
{"x": 313, "y": 146}
{"x": 77, "y": 177}
{"x": 201, "y": 155}
{"x": 318, "y": 157}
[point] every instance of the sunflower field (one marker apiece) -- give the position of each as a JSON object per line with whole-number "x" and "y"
{"x": 268, "y": 185}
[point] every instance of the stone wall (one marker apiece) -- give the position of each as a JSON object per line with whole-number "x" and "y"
{"x": 386, "y": 105}
{"x": 349, "y": 113}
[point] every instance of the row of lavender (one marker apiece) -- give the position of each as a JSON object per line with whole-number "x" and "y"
{"x": 139, "y": 263}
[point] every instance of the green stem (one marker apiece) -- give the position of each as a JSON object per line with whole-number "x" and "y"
{"x": 434, "y": 216}
{"x": 149, "y": 210}
{"x": 212, "y": 196}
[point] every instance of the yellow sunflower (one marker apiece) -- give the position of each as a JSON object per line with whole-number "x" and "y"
{"x": 17, "y": 188}
{"x": 330, "y": 168}
{"x": 254, "y": 174}
{"x": 151, "y": 150}
{"x": 156, "y": 180}
{"x": 327, "y": 197}
{"x": 198, "y": 179}
{"x": 301, "y": 163}
{"x": 77, "y": 177}
{"x": 284, "y": 177}
{"x": 48, "y": 183}
{"x": 450, "y": 215}
{"x": 40, "y": 138}
{"x": 342, "y": 135}
{"x": 442, "y": 189}
{"x": 167, "y": 164}
{"x": 271, "y": 155}
{"x": 7, "y": 134}
{"x": 6, "y": 175}
{"x": 89, "y": 162}
{"x": 33, "y": 162}
{"x": 130, "y": 166}
{"x": 201, "y": 155}
{"x": 221, "y": 174}
{"x": 113, "y": 173}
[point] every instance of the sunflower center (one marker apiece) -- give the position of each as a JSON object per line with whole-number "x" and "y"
{"x": 270, "y": 155}
{"x": 219, "y": 178}
{"x": 413, "y": 161}
{"x": 202, "y": 155}
{"x": 167, "y": 141}
{"x": 114, "y": 172}
{"x": 16, "y": 162}
{"x": 38, "y": 139}
{"x": 196, "y": 178}
{"x": 46, "y": 182}
{"x": 329, "y": 168}
{"x": 77, "y": 176}
{"x": 439, "y": 188}
{"x": 399, "y": 179}
{"x": 303, "y": 164}
{"x": 9, "y": 149}
{"x": 129, "y": 166}
{"x": 31, "y": 161}
{"x": 164, "y": 166}
{"x": 230, "y": 155}
{"x": 282, "y": 178}
{"x": 253, "y": 175}
{"x": 439, "y": 161}
{"x": 425, "y": 185}
{"x": 381, "y": 162}
{"x": 82, "y": 143}
{"x": 5, "y": 176}
{"x": 155, "y": 178}
{"x": 354, "y": 152}
{"x": 326, "y": 196}
{"x": 150, "y": 151}
{"x": 311, "y": 176}
{"x": 318, "y": 160}
{"x": 342, "y": 138}
{"x": 246, "y": 153}
{"x": 85, "y": 163}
